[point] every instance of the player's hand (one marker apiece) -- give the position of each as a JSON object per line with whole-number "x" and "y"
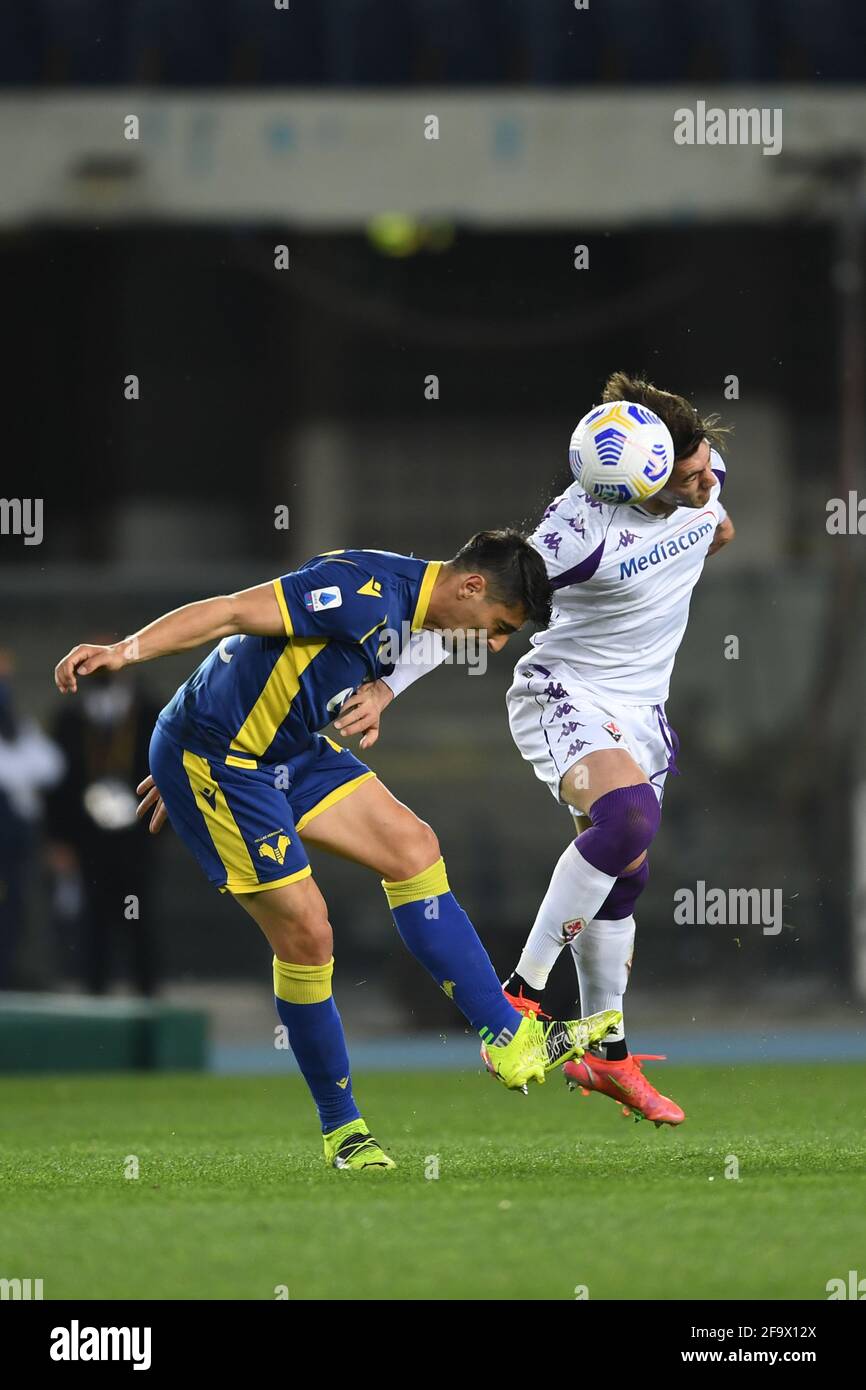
{"x": 362, "y": 711}
{"x": 150, "y": 797}
{"x": 83, "y": 661}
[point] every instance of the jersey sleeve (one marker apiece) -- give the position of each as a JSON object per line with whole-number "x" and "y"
{"x": 332, "y": 598}
{"x": 423, "y": 653}
{"x": 570, "y": 537}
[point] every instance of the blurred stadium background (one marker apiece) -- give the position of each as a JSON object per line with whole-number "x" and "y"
{"x": 305, "y": 388}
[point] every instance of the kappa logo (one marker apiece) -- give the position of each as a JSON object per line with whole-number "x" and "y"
{"x": 613, "y": 729}
{"x": 318, "y": 599}
{"x": 372, "y": 588}
{"x": 277, "y": 851}
{"x": 554, "y": 690}
{"x": 572, "y": 929}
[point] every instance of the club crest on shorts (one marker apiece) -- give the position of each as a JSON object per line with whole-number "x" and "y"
{"x": 613, "y": 729}
{"x": 571, "y": 929}
{"x": 274, "y": 846}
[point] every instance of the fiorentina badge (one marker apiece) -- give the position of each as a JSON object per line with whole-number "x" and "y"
{"x": 613, "y": 729}
{"x": 571, "y": 929}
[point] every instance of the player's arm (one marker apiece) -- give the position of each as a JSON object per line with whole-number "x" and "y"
{"x": 334, "y": 599}
{"x": 362, "y": 711}
{"x": 255, "y": 612}
{"x": 724, "y": 535}
{"x": 725, "y": 529}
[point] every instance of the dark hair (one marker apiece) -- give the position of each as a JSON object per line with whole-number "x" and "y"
{"x": 687, "y": 427}
{"x": 516, "y": 572}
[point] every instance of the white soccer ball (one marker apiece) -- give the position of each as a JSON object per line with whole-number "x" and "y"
{"x": 621, "y": 452}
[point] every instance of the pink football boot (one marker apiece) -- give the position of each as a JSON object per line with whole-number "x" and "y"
{"x": 625, "y": 1083}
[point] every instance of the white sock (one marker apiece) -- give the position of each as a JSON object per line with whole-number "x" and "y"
{"x": 602, "y": 956}
{"x": 576, "y": 892}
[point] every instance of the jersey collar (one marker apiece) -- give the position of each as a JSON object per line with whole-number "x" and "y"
{"x": 431, "y": 574}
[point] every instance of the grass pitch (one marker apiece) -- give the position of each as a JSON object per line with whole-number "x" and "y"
{"x": 535, "y": 1196}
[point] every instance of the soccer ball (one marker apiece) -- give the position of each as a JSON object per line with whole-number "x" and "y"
{"x": 621, "y": 452}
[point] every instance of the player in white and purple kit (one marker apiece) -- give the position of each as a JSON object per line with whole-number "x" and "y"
{"x": 587, "y": 710}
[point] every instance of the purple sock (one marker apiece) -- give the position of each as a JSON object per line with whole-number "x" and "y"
{"x": 622, "y": 897}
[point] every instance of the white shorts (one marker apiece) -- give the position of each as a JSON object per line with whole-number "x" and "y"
{"x": 555, "y": 723}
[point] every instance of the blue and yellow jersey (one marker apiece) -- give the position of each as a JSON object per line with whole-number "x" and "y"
{"x": 259, "y": 700}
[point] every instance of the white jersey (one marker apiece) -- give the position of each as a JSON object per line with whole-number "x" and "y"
{"x": 623, "y": 581}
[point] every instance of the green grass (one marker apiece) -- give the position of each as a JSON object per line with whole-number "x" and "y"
{"x": 535, "y": 1196}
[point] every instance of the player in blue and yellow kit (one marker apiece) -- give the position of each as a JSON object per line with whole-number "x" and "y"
{"x": 247, "y": 780}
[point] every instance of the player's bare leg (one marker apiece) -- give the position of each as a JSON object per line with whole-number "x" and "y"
{"x": 372, "y": 828}
{"x": 294, "y": 919}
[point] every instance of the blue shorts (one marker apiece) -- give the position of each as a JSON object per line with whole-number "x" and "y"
{"x": 243, "y": 821}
